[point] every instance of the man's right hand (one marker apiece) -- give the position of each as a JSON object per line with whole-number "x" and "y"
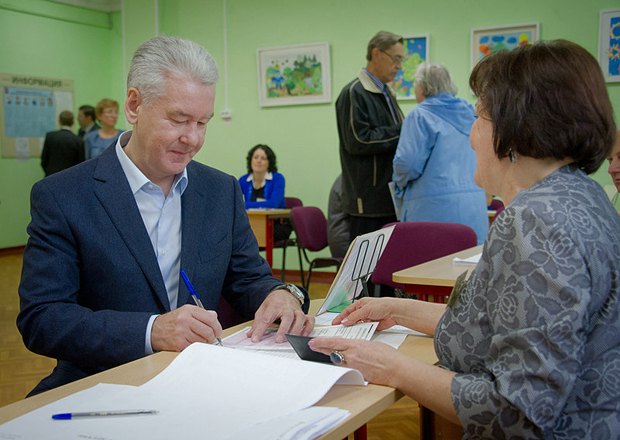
{"x": 176, "y": 330}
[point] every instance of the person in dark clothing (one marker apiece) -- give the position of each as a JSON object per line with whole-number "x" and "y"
{"x": 62, "y": 148}
{"x": 369, "y": 121}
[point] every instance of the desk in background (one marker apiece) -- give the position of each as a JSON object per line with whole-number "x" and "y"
{"x": 435, "y": 277}
{"x": 364, "y": 403}
{"x": 261, "y": 222}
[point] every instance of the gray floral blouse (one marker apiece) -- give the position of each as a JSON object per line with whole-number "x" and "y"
{"x": 534, "y": 337}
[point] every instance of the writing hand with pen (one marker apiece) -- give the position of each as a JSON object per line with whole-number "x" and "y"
{"x": 176, "y": 330}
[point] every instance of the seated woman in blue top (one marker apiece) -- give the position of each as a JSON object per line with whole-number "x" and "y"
{"x": 263, "y": 186}
{"x": 97, "y": 141}
{"x": 434, "y": 163}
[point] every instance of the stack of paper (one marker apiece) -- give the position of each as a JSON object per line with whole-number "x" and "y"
{"x": 471, "y": 260}
{"x": 206, "y": 392}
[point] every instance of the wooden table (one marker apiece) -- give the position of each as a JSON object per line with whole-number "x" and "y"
{"x": 435, "y": 277}
{"x": 261, "y": 222}
{"x": 363, "y": 402}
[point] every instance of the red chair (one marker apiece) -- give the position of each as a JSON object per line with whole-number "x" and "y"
{"x": 290, "y": 203}
{"x": 310, "y": 226}
{"x": 414, "y": 243}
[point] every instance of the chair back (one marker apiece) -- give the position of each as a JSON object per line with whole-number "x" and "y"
{"x": 292, "y": 202}
{"x": 310, "y": 227}
{"x": 415, "y": 243}
{"x": 497, "y": 206}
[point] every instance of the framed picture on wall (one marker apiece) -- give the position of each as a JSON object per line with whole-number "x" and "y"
{"x": 416, "y": 52}
{"x": 291, "y": 75}
{"x": 485, "y": 41}
{"x": 609, "y": 44}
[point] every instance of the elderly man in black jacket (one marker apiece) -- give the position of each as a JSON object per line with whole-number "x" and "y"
{"x": 369, "y": 121}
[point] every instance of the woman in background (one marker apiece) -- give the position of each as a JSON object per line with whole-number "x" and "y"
{"x": 263, "y": 186}
{"x": 614, "y": 168}
{"x": 434, "y": 163}
{"x": 98, "y": 140}
{"x": 530, "y": 346}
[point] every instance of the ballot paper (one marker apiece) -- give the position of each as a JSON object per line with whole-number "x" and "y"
{"x": 471, "y": 260}
{"x": 208, "y": 391}
{"x": 268, "y": 344}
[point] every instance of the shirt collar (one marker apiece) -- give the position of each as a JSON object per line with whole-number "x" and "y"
{"x": 376, "y": 80}
{"x": 135, "y": 177}
{"x": 268, "y": 176}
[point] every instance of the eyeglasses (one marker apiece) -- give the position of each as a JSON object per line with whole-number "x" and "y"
{"x": 396, "y": 59}
{"x": 110, "y": 112}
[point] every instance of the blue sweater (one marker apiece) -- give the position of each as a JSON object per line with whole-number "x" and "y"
{"x": 274, "y": 191}
{"x": 434, "y": 166}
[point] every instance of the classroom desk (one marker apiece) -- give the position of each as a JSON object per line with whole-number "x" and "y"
{"x": 363, "y": 403}
{"x": 261, "y": 222}
{"x": 435, "y": 277}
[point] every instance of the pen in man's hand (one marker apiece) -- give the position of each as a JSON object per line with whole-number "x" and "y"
{"x": 126, "y": 412}
{"x": 190, "y": 287}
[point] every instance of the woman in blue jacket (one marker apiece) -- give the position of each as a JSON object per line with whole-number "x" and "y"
{"x": 434, "y": 164}
{"x": 263, "y": 186}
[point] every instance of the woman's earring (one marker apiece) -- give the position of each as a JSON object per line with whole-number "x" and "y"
{"x": 512, "y": 155}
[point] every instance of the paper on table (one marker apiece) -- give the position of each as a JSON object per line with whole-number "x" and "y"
{"x": 268, "y": 343}
{"x": 471, "y": 260}
{"x": 308, "y": 423}
{"x": 200, "y": 394}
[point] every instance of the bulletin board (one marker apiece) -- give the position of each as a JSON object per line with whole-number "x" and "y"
{"x": 30, "y": 108}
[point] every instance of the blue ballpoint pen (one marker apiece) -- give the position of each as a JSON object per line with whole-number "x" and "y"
{"x": 192, "y": 291}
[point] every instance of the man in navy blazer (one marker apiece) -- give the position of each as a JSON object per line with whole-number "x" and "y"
{"x": 100, "y": 283}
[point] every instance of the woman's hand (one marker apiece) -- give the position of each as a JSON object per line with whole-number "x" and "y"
{"x": 369, "y": 309}
{"x": 375, "y": 360}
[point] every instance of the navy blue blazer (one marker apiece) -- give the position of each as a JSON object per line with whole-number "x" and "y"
{"x": 90, "y": 279}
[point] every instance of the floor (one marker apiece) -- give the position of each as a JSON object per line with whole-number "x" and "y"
{"x": 20, "y": 370}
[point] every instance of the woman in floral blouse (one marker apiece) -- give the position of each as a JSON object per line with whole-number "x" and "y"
{"x": 530, "y": 348}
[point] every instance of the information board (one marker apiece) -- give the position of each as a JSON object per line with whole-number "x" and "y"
{"x": 30, "y": 108}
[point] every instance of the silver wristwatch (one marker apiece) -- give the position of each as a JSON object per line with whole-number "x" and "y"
{"x": 293, "y": 290}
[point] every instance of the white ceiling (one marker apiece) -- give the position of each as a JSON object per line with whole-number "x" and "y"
{"x": 99, "y": 5}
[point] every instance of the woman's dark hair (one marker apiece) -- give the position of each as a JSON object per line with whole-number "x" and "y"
{"x": 546, "y": 100}
{"x": 271, "y": 157}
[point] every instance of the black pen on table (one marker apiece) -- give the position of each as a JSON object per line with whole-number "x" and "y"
{"x": 195, "y": 296}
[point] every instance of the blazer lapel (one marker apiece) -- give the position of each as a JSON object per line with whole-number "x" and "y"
{"x": 194, "y": 225}
{"x": 114, "y": 193}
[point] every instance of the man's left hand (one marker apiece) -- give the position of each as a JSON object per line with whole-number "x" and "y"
{"x": 280, "y": 304}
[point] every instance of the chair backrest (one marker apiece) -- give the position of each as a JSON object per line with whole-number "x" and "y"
{"x": 310, "y": 227}
{"x": 292, "y": 202}
{"x": 497, "y": 206}
{"x": 415, "y": 243}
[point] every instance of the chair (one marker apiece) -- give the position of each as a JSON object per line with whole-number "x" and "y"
{"x": 290, "y": 203}
{"x": 310, "y": 227}
{"x": 496, "y": 206}
{"x": 414, "y": 243}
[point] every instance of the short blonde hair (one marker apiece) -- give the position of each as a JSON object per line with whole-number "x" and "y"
{"x": 104, "y": 104}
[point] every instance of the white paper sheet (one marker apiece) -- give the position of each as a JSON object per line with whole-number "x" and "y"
{"x": 471, "y": 260}
{"x": 206, "y": 392}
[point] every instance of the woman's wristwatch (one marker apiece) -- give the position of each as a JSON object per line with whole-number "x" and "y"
{"x": 293, "y": 290}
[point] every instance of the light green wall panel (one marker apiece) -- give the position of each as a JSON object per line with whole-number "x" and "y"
{"x": 52, "y": 44}
{"x": 304, "y": 136}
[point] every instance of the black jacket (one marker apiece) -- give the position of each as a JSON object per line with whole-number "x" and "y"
{"x": 368, "y": 136}
{"x": 61, "y": 149}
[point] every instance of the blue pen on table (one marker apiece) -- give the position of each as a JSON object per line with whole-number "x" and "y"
{"x": 126, "y": 412}
{"x": 192, "y": 291}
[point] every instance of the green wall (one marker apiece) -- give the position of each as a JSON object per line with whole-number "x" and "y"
{"x": 41, "y": 38}
{"x": 304, "y": 137}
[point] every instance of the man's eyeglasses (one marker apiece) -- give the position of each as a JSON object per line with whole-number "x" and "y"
{"x": 396, "y": 59}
